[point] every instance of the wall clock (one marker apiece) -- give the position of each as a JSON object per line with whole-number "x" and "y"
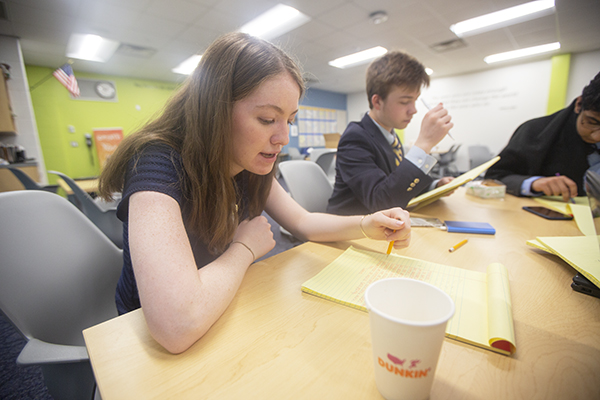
{"x": 106, "y": 90}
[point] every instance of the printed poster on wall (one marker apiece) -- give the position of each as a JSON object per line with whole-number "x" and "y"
{"x": 107, "y": 140}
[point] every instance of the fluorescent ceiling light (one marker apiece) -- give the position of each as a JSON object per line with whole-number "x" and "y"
{"x": 275, "y": 22}
{"x": 91, "y": 47}
{"x": 361, "y": 57}
{"x": 530, "y": 51}
{"x": 428, "y": 71}
{"x": 188, "y": 66}
{"x": 503, "y": 18}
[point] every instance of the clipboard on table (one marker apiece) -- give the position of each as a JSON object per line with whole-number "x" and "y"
{"x": 433, "y": 195}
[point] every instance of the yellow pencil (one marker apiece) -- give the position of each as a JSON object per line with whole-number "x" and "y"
{"x": 390, "y": 247}
{"x": 456, "y": 246}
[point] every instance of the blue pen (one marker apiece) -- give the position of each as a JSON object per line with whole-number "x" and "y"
{"x": 429, "y": 108}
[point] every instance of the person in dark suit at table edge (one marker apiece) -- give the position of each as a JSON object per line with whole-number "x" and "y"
{"x": 550, "y": 155}
{"x": 372, "y": 171}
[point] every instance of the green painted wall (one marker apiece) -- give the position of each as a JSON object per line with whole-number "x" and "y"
{"x": 559, "y": 81}
{"x": 400, "y": 133}
{"x": 138, "y": 101}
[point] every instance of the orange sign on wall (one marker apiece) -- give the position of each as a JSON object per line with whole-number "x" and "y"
{"x": 107, "y": 140}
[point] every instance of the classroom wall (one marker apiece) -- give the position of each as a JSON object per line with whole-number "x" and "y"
{"x": 63, "y": 122}
{"x": 584, "y": 66}
{"x": 324, "y": 99}
{"x": 488, "y": 106}
{"x": 357, "y": 106}
{"x": 18, "y": 91}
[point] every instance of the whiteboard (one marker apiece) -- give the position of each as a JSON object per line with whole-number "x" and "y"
{"x": 486, "y": 107}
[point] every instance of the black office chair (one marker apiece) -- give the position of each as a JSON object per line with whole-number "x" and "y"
{"x": 445, "y": 165}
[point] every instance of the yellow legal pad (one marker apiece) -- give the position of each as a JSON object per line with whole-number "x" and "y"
{"x": 437, "y": 193}
{"x": 580, "y": 211}
{"x": 581, "y": 252}
{"x": 483, "y": 314}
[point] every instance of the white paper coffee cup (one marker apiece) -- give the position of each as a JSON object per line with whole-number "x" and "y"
{"x": 408, "y": 322}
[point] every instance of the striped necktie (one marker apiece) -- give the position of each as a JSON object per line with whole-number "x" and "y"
{"x": 397, "y": 147}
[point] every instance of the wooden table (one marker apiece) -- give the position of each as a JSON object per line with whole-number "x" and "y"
{"x": 89, "y": 185}
{"x": 275, "y": 342}
{"x": 9, "y": 182}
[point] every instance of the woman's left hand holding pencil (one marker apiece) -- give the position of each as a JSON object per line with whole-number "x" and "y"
{"x": 392, "y": 225}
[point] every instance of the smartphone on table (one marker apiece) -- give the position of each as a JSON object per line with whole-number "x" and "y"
{"x": 547, "y": 213}
{"x": 583, "y": 285}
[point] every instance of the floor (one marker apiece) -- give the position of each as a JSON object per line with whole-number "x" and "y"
{"x": 17, "y": 382}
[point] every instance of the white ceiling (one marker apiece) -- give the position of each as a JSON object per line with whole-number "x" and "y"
{"x": 176, "y": 29}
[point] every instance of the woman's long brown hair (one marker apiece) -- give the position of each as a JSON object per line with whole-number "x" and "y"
{"x": 197, "y": 123}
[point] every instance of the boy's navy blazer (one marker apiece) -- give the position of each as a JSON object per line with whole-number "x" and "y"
{"x": 367, "y": 178}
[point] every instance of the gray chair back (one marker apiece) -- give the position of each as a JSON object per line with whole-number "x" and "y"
{"x": 478, "y": 155}
{"x": 307, "y": 183}
{"x": 327, "y": 163}
{"x": 105, "y": 219}
{"x": 58, "y": 274}
{"x": 295, "y": 154}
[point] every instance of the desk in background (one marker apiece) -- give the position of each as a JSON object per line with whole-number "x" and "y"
{"x": 89, "y": 185}
{"x": 275, "y": 342}
{"x": 9, "y": 182}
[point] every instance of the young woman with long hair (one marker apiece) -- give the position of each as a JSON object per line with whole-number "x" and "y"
{"x": 195, "y": 181}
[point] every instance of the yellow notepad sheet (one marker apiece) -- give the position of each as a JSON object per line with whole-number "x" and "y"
{"x": 583, "y": 200}
{"x": 581, "y": 252}
{"x": 539, "y": 245}
{"x": 433, "y": 195}
{"x": 580, "y": 211}
{"x": 483, "y": 314}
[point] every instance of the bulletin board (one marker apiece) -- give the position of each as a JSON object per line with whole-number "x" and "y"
{"x": 313, "y": 122}
{"x": 107, "y": 140}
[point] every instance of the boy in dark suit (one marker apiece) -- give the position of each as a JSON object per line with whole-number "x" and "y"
{"x": 372, "y": 170}
{"x": 550, "y": 155}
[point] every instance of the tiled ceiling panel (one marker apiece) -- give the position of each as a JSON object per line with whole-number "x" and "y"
{"x": 177, "y": 29}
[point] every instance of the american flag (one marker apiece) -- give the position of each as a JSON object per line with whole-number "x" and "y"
{"x": 64, "y": 74}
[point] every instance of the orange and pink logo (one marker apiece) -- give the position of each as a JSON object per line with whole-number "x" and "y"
{"x": 397, "y": 367}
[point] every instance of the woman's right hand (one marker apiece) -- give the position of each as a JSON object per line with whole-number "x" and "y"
{"x": 392, "y": 224}
{"x": 256, "y": 234}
